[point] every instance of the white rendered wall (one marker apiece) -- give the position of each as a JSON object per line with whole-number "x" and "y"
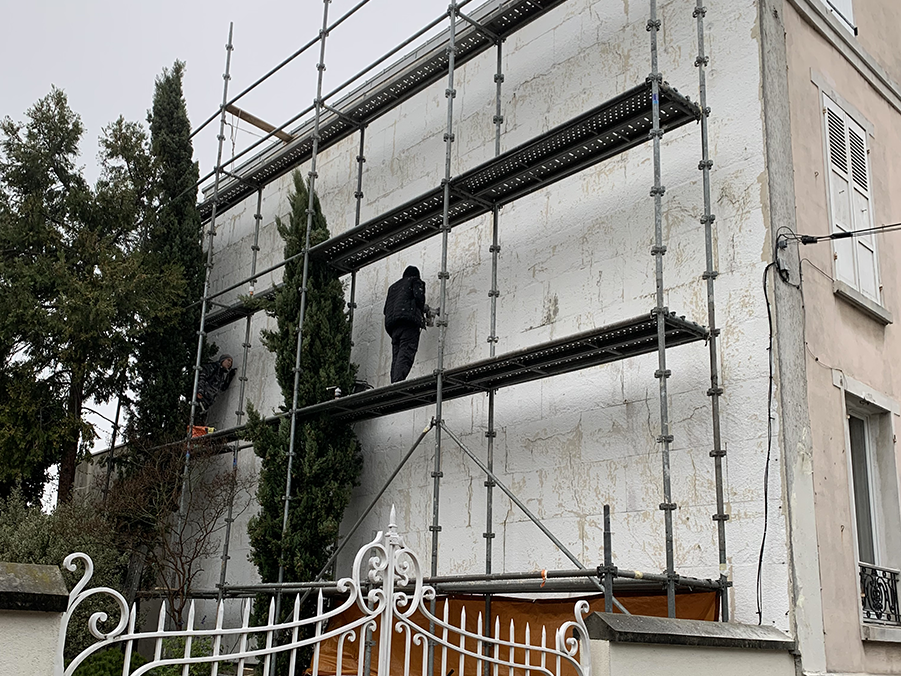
{"x": 28, "y": 642}
{"x": 627, "y": 659}
{"x": 574, "y": 256}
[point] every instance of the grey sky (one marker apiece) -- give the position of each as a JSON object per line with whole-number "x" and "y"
{"x": 105, "y": 54}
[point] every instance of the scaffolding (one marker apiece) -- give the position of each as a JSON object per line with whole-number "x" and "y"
{"x": 641, "y": 114}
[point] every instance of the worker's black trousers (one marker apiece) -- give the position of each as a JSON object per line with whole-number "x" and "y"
{"x": 404, "y": 343}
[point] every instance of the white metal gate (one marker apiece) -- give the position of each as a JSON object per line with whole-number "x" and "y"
{"x": 384, "y": 572}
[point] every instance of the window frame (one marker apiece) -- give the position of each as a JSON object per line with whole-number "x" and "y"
{"x": 856, "y": 172}
{"x": 872, "y": 483}
{"x": 844, "y": 14}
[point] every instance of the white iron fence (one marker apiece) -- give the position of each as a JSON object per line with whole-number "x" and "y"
{"x": 385, "y": 595}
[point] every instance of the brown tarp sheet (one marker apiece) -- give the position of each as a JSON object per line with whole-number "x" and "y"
{"x": 535, "y": 614}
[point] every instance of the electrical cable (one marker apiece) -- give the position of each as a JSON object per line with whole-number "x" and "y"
{"x": 769, "y": 446}
{"x": 815, "y": 239}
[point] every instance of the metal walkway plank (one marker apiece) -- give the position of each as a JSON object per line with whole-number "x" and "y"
{"x": 603, "y": 132}
{"x": 603, "y": 345}
{"x": 413, "y": 73}
{"x": 609, "y": 129}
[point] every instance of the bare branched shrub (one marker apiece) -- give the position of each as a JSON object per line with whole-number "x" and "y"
{"x": 145, "y": 504}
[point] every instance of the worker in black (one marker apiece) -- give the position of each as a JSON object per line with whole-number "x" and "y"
{"x": 215, "y": 376}
{"x": 404, "y": 318}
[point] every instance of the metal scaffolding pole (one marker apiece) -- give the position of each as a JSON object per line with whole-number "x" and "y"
{"x": 443, "y": 276}
{"x": 662, "y": 373}
{"x": 710, "y": 275}
{"x": 508, "y": 582}
{"x": 608, "y": 562}
{"x": 211, "y": 234}
{"x": 493, "y": 295}
{"x": 112, "y": 448}
{"x": 320, "y": 66}
{"x": 358, "y": 196}
{"x": 239, "y": 413}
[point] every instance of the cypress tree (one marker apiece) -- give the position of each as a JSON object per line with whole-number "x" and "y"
{"x": 328, "y": 459}
{"x": 165, "y": 354}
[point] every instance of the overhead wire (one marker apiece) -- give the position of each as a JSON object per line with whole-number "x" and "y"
{"x": 816, "y": 239}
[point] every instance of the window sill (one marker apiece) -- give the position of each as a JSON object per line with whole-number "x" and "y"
{"x": 869, "y": 307}
{"x": 880, "y": 633}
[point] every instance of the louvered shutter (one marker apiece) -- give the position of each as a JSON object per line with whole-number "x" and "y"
{"x": 849, "y": 195}
{"x": 861, "y": 212}
{"x": 839, "y": 191}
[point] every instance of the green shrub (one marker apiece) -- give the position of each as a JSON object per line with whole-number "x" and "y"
{"x": 107, "y": 663}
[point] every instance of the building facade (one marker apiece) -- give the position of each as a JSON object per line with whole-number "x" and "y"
{"x": 795, "y": 457}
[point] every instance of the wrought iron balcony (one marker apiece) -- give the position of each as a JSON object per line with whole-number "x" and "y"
{"x": 879, "y": 594}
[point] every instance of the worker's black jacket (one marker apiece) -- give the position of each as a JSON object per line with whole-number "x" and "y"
{"x": 213, "y": 379}
{"x": 405, "y": 303}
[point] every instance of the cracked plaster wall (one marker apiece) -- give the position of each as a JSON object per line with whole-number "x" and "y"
{"x": 574, "y": 256}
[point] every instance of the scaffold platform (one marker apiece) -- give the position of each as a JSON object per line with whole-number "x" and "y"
{"x": 599, "y": 134}
{"x": 409, "y": 76}
{"x": 603, "y": 345}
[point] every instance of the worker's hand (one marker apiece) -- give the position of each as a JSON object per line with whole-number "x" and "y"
{"x": 199, "y": 396}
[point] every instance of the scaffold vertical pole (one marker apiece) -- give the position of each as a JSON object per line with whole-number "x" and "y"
{"x": 662, "y": 374}
{"x": 112, "y": 448}
{"x": 493, "y": 295}
{"x": 368, "y": 642}
{"x": 443, "y": 276}
{"x": 320, "y": 66}
{"x": 710, "y": 275}
{"x": 608, "y": 562}
{"x": 204, "y": 305}
{"x": 358, "y": 196}
{"x": 239, "y": 412}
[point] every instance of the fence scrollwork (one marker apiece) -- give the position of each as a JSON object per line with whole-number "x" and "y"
{"x": 386, "y": 585}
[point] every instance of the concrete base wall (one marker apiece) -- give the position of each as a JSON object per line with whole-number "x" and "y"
{"x": 28, "y": 642}
{"x": 616, "y": 659}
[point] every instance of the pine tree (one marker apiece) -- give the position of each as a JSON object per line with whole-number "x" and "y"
{"x": 165, "y": 353}
{"x": 328, "y": 459}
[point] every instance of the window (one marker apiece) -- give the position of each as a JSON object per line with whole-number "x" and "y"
{"x": 844, "y": 12}
{"x": 862, "y": 466}
{"x": 874, "y": 496}
{"x": 850, "y": 201}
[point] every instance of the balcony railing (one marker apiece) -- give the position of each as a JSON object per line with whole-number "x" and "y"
{"x": 879, "y": 594}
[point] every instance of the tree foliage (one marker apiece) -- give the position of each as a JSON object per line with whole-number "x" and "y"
{"x": 328, "y": 459}
{"x": 165, "y": 350}
{"x": 75, "y": 285}
{"x": 29, "y": 535}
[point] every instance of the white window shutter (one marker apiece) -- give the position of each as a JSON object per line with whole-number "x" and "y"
{"x": 840, "y": 191}
{"x": 843, "y": 11}
{"x": 861, "y": 212}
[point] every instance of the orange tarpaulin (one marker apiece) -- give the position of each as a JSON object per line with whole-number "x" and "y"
{"x": 534, "y": 614}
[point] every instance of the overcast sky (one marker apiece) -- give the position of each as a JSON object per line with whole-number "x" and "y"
{"x": 105, "y": 54}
